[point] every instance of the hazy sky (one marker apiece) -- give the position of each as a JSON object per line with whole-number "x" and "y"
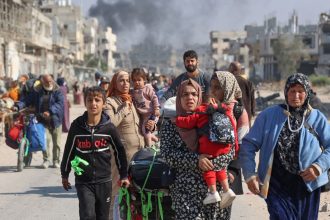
{"x": 179, "y": 21}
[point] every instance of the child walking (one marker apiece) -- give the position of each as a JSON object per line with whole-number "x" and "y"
{"x": 198, "y": 120}
{"x": 146, "y": 102}
{"x": 87, "y": 150}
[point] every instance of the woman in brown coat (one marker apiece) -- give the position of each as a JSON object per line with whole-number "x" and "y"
{"x": 123, "y": 115}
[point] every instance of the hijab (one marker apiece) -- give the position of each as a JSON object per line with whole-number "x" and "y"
{"x": 113, "y": 91}
{"x": 189, "y": 136}
{"x": 180, "y": 90}
{"x": 298, "y": 78}
{"x": 229, "y": 85}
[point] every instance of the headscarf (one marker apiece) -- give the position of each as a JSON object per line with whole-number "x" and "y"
{"x": 298, "y": 78}
{"x": 196, "y": 86}
{"x": 229, "y": 85}
{"x": 113, "y": 91}
{"x": 189, "y": 136}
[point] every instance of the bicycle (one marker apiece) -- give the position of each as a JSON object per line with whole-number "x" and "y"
{"x": 26, "y": 120}
{"x": 24, "y": 156}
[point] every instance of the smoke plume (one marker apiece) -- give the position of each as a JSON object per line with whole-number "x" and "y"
{"x": 173, "y": 22}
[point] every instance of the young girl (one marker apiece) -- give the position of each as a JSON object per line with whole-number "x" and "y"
{"x": 88, "y": 147}
{"x": 146, "y": 102}
{"x": 207, "y": 147}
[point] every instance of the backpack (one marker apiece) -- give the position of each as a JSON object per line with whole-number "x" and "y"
{"x": 220, "y": 128}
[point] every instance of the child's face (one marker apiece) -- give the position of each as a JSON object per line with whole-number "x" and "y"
{"x": 105, "y": 86}
{"x": 216, "y": 90}
{"x": 138, "y": 82}
{"x": 94, "y": 103}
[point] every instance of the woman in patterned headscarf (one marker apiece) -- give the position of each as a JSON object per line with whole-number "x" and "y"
{"x": 224, "y": 88}
{"x": 292, "y": 164}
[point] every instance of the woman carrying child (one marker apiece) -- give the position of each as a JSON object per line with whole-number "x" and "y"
{"x": 188, "y": 164}
{"x": 200, "y": 119}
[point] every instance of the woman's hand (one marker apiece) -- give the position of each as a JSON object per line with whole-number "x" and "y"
{"x": 253, "y": 185}
{"x": 310, "y": 174}
{"x": 150, "y": 125}
{"x": 204, "y": 163}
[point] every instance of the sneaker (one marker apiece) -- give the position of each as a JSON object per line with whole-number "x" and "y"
{"x": 227, "y": 199}
{"x": 45, "y": 164}
{"x": 56, "y": 165}
{"x": 212, "y": 198}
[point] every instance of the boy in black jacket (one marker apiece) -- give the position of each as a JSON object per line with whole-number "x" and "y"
{"x": 87, "y": 150}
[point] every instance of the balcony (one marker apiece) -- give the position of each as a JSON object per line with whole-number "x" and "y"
{"x": 40, "y": 33}
{"x": 61, "y": 42}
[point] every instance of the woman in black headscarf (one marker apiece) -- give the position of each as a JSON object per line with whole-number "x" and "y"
{"x": 293, "y": 141}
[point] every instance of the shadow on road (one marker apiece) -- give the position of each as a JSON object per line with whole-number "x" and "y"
{"x": 12, "y": 169}
{"x": 47, "y": 191}
{"x": 8, "y": 169}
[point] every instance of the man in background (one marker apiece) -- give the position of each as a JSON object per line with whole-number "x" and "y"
{"x": 247, "y": 88}
{"x": 48, "y": 101}
{"x": 190, "y": 59}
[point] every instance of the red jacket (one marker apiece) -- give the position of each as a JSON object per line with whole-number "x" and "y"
{"x": 199, "y": 120}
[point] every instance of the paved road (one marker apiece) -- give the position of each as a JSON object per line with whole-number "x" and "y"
{"x": 37, "y": 194}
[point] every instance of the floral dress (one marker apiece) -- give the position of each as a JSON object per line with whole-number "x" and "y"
{"x": 189, "y": 189}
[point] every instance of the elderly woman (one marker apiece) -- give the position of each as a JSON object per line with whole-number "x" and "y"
{"x": 189, "y": 188}
{"x": 292, "y": 164}
{"x": 123, "y": 115}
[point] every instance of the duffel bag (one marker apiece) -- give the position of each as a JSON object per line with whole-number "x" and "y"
{"x": 148, "y": 170}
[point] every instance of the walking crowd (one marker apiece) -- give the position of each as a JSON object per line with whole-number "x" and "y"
{"x": 209, "y": 143}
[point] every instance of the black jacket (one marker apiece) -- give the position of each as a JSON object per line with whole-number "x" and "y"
{"x": 93, "y": 145}
{"x": 249, "y": 102}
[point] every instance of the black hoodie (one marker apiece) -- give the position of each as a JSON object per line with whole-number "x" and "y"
{"x": 93, "y": 145}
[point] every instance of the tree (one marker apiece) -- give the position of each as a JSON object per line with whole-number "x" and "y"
{"x": 288, "y": 51}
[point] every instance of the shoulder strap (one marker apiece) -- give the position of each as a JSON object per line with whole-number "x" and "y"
{"x": 313, "y": 132}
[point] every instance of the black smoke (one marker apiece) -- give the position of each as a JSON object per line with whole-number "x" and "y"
{"x": 173, "y": 22}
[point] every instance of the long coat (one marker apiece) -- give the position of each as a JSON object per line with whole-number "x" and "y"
{"x": 127, "y": 122}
